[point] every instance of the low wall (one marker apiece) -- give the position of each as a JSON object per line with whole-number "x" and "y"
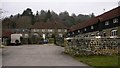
{"x": 93, "y": 46}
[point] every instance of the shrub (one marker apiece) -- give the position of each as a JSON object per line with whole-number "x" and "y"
{"x": 51, "y": 40}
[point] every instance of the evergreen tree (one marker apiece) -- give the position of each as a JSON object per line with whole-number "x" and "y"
{"x": 18, "y": 15}
{"x": 27, "y": 12}
{"x": 37, "y": 13}
{"x": 92, "y": 15}
{"x": 48, "y": 16}
{"x": 33, "y": 20}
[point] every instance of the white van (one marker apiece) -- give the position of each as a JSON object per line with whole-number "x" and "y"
{"x": 15, "y": 38}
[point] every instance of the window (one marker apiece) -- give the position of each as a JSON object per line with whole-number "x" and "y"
{"x": 72, "y": 32}
{"x": 50, "y": 30}
{"x": 107, "y": 23}
{"x": 114, "y": 33}
{"x": 98, "y": 34}
{"x": 37, "y": 30}
{"x": 49, "y": 35}
{"x": 43, "y": 30}
{"x": 23, "y": 30}
{"x": 92, "y": 35}
{"x": 104, "y": 34}
{"x": 68, "y": 34}
{"x": 59, "y": 30}
{"x": 34, "y": 30}
{"x": 26, "y": 36}
{"x": 92, "y": 27}
{"x": 78, "y": 31}
{"x": 65, "y": 30}
{"x": 35, "y": 34}
{"x": 60, "y": 35}
{"x": 85, "y": 29}
{"x": 86, "y": 36}
{"x": 115, "y": 20}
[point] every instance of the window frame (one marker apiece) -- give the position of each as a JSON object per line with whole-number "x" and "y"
{"x": 92, "y": 27}
{"x": 85, "y": 29}
{"x": 114, "y": 32}
{"x": 59, "y": 30}
{"x": 65, "y": 30}
{"x": 50, "y": 30}
{"x": 78, "y": 31}
{"x": 43, "y": 30}
{"x": 115, "y": 20}
{"x": 107, "y": 23}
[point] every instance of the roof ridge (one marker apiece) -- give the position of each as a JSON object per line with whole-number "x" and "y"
{"x": 105, "y": 16}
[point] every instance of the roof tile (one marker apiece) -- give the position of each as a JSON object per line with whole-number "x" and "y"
{"x": 103, "y": 17}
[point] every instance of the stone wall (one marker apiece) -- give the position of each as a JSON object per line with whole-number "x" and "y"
{"x": 93, "y": 46}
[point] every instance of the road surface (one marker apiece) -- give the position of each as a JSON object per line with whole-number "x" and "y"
{"x": 37, "y": 55}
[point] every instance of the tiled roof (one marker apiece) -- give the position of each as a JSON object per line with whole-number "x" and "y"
{"x": 48, "y": 25}
{"x": 103, "y": 17}
{"x": 6, "y": 33}
{"x": 84, "y": 24}
{"x": 110, "y": 14}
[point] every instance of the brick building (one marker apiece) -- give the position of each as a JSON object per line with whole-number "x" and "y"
{"x": 104, "y": 25}
{"x": 48, "y": 29}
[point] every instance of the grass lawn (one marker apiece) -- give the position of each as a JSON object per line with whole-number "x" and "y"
{"x": 100, "y": 61}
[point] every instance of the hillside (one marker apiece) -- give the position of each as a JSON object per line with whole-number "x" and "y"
{"x": 27, "y": 18}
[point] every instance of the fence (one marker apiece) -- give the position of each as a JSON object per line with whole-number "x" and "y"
{"x": 93, "y": 46}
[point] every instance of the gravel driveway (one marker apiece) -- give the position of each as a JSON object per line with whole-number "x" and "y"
{"x": 37, "y": 55}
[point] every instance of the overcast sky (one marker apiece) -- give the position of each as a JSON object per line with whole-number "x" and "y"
{"x": 72, "y": 6}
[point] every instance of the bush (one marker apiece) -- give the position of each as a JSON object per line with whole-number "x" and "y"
{"x": 51, "y": 40}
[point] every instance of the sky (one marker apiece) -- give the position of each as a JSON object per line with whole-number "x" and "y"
{"x": 13, "y": 7}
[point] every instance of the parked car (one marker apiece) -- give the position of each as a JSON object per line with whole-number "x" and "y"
{"x": 45, "y": 41}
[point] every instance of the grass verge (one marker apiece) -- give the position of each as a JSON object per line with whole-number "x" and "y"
{"x": 100, "y": 61}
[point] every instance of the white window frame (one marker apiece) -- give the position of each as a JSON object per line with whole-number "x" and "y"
{"x": 34, "y": 30}
{"x": 36, "y": 34}
{"x": 50, "y": 30}
{"x": 65, "y": 30}
{"x": 26, "y": 35}
{"x": 98, "y": 34}
{"x": 37, "y": 30}
{"x": 73, "y": 33}
{"x": 43, "y": 30}
{"x": 60, "y": 35}
{"x": 78, "y": 31}
{"x": 50, "y": 34}
{"x": 115, "y": 20}
{"x": 59, "y": 30}
{"x": 104, "y": 34}
{"x": 85, "y": 29}
{"x": 92, "y": 35}
{"x": 23, "y": 30}
{"x": 92, "y": 27}
{"x": 107, "y": 23}
{"x": 68, "y": 34}
{"x": 114, "y": 33}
